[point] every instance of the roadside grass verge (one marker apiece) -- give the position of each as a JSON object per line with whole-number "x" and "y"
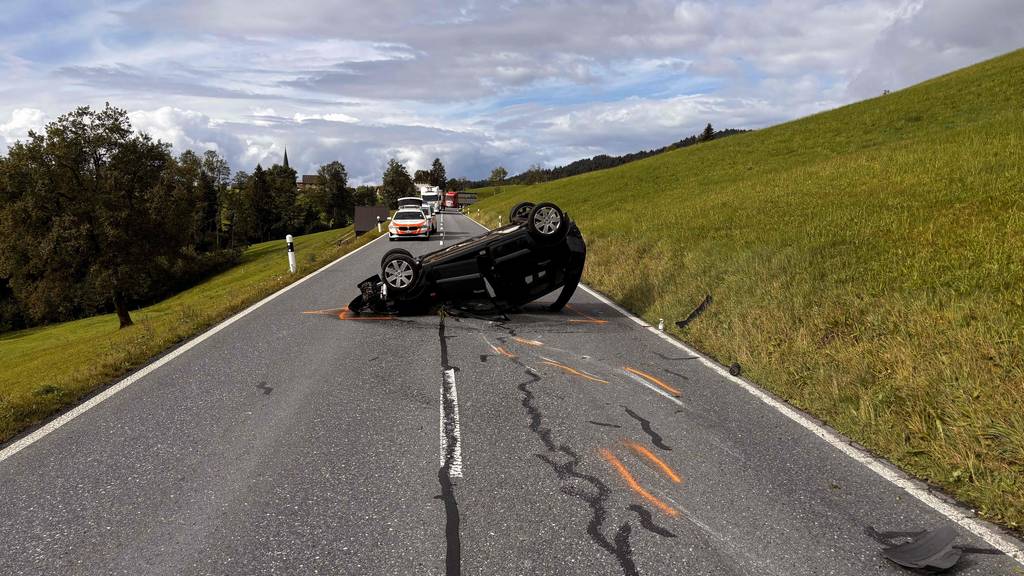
{"x": 50, "y": 368}
{"x": 866, "y": 264}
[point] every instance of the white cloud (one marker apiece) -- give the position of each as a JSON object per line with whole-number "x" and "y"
{"x": 928, "y": 38}
{"x": 22, "y": 120}
{"x": 476, "y": 83}
{"x": 331, "y": 117}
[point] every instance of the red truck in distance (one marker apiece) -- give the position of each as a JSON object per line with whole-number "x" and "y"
{"x": 451, "y": 200}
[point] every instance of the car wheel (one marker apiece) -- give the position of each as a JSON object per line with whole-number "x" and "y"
{"x": 399, "y": 271}
{"x": 546, "y": 222}
{"x": 520, "y": 213}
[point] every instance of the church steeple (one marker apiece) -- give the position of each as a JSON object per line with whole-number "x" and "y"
{"x": 286, "y": 157}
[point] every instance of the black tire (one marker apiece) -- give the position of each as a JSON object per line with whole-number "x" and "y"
{"x": 399, "y": 271}
{"x": 547, "y": 223}
{"x": 520, "y": 213}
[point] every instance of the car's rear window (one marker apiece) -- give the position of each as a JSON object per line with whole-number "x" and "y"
{"x": 406, "y": 215}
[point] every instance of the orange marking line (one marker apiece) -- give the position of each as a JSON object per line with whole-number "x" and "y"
{"x": 589, "y": 319}
{"x": 573, "y": 371}
{"x": 343, "y": 315}
{"x": 640, "y": 450}
{"x": 327, "y": 312}
{"x": 634, "y": 485}
{"x": 654, "y": 381}
{"x": 502, "y": 351}
{"x": 536, "y": 343}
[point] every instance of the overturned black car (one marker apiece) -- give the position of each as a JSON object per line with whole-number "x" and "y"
{"x": 540, "y": 251}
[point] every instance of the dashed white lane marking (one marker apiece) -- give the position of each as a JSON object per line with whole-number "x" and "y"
{"x": 876, "y": 465}
{"x": 82, "y": 408}
{"x": 653, "y": 387}
{"x": 448, "y": 391}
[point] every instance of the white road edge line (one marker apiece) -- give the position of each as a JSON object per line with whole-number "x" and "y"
{"x": 77, "y": 411}
{"x": 455, "y": 469}
{"x": 876, "y": 465}
{"x": 653, "y": 387}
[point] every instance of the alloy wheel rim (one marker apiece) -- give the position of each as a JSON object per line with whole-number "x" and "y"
{"x": 398, "y": 273}
{"x": 547, "y": 220}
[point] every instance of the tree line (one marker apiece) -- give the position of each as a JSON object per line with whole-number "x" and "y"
{"x": 536, "y": 173}
{"x": 95, "y": 217}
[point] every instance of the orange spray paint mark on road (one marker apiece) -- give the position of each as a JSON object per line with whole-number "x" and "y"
{"x": 343, "y": 314}
{"x": 502, "y": 351}
{"x": 327, "y": 312}
{"x": 573, "y": 371}
{"x": 653, "y": 380}
{"x": 588, "y": 319}
{"x": 640, "y": 450}
{"x": 534, "y": 343}
{"x": 634, "y": 485}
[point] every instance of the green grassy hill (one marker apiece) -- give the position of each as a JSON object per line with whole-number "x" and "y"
{"x": 867, "y": 264}
{"x": 52, "y": 367}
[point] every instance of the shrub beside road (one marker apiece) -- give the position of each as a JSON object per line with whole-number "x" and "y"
{"x": 865, "y": 264}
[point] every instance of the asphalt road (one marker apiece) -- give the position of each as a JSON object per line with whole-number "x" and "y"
{"x": 311, "y": 443}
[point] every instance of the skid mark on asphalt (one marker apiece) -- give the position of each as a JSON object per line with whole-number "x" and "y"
{"x": 634, "y": 485}
{"x": 605, "y": 424}
{"x": 647, "y": 521}
{"x": 640, "y": 450}
{"x": 567, "y": 471}
{"x": 451, "y": 465}
{"x": 645, "y": 425}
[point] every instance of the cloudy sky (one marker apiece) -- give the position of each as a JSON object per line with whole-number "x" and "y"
{"x": 476, "y": 83}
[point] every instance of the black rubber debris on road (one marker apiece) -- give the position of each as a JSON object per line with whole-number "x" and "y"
{"x": 645, "y": 424}
{"x": 930, "y": 550}
{"x": 604, "y": 424}
{"x": 265, "y": 388}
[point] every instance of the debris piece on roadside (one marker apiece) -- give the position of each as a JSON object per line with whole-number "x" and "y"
{"x": 696, "y": 312}
{"x": 931, "y": 550}
{"x": 735, "y": 369}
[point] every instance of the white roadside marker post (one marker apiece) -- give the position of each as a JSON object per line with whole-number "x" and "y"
{"x": 378, "y": 224}
{"x": 291, "y": 253}
{"x": 661, "y": 324}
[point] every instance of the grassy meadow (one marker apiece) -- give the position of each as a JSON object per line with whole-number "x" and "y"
{"x": 46, "y": 369}
{"x": 866, "y": 264}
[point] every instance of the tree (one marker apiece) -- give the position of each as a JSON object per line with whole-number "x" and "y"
{"x": 421, "y": 177}
{"x": 437, "y": 175}
{"x": 216, "y": 175}
{"x": 365, "y": 196}
{"x": 262, "y": 203}
{"x": 288, "y": 215}
{"x": 334, "y": 180}
{"x": 238, "y": 219}
{"x": 535, "y": 175}
{"x": 708, "y": 134}
{"x": 397, "y": 183}
{"x": 88, "y": 212}
{"x": 498, "y": 174}
{"x": 457, "y": 184}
